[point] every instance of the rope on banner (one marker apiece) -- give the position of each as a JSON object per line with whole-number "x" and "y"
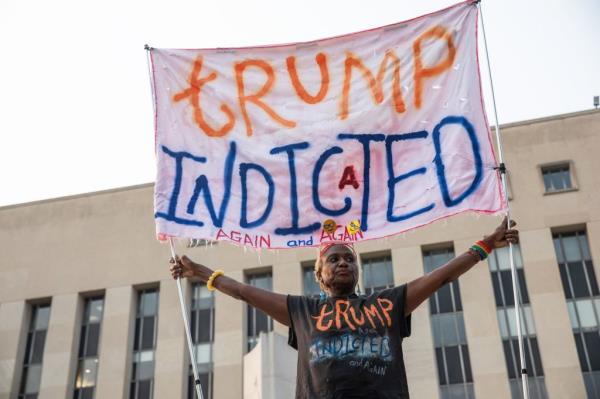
{"x": 502, "y": 170}
{"x": 184, "y": 311}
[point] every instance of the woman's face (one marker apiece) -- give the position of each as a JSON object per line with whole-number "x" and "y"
{"x": 339, "y": 272}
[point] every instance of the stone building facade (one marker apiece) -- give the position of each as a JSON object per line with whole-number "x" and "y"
{"x": 88, "y": 309}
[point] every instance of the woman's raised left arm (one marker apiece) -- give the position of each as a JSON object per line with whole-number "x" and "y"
{"x": 423, "y": 287}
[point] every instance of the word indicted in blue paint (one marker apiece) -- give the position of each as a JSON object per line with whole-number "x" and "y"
{"x": 183, "y": 210}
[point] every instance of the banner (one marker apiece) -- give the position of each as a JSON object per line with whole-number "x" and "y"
{"x": 349, "y": 138}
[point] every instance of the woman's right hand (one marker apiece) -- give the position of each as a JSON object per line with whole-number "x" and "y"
{"x": 184, "y": 267}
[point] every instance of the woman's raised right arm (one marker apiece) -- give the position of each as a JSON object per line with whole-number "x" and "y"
{"x": 273, "y": 304}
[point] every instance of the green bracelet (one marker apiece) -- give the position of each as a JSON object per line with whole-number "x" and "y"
{"x": 480, "y": 251}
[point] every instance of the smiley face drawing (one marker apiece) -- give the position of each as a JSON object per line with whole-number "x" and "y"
{"x": 329, "y": 226}
{"x": 353, "y": 227}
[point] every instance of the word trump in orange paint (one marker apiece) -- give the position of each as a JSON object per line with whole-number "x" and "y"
{"x": 422, "y": 72}
{"x": 193, "y": 93}
{"x": 345, "y": 314}
{"x": 375, "y": 84}
{"x": 251, "y": 104}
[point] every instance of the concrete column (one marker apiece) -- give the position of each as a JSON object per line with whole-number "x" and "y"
{"x": 287, "y": 279}
{"x": 114, "y": 360}
{"x": 419, "y": 354}
{"x": 490, "y": 377}
{"x": 60, "y": 357}
{"x": 555, "y": 335}
{"x": 171, "y": 356}
{"x": 270, "y": 369}
{"x": 230, "y": 331}
{"x": 14, "y": 317}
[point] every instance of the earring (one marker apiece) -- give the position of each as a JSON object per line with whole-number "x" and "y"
{"x": 322, "y": 296}
{"x": 358, "y": 290}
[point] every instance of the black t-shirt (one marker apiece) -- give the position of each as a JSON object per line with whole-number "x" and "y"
{"x": 350, "y": 347}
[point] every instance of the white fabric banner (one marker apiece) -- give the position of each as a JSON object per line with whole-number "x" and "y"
{"x": 291, "y": 145}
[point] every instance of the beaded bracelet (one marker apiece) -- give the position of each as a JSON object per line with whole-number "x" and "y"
{"x": 483, "y": 245}
{"x": 481, "y": 249}
{"x": 211, "y": 279}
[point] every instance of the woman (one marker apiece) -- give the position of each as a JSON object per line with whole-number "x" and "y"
{"x": 349, "y": 345}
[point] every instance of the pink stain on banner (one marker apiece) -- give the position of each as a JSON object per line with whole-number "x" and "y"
{"x": 383, "y": 129}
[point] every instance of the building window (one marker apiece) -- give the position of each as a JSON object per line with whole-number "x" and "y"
{"x": 258, "y": 321}
{"x": 146, "y": 322}
{"x": 34, "y": 351}
{"x": 377, "y": 273}
{"x": 449, "y": 337}
{"x": 499, "y": 262}
{"x": 310, "y": 286}
{"x": 557, "y": 177}
{"x": 583, "y": 302}
{"x": 87, "y": 367}
{"x": 202, "y": 320}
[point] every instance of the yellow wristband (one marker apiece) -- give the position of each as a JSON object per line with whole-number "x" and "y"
{"x": 211, "y": 279}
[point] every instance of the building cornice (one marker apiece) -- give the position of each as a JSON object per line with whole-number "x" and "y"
{"x": 77, "y": 196}
{"x": 548, "y": 119}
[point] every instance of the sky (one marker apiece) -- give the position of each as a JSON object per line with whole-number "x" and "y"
{"x": 75, "y": 102}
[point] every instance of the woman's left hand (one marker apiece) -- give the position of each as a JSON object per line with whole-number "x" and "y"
{"x": 503, "y": 235}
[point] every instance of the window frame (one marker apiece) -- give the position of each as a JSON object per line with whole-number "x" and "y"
{"x": 31, "y": 335}
{"x": 367, "y": 260}
{"x": 198, "y": 304}
{"x": 308, "y": 267}
{"x": 466, "y": 369}
{"x": 134, "y": 382}
{"x": 510, "y": 345}
{"x": 83, "y": 346}
{"x": 555, "y": 166}
{"x": 251, "y": 341}
{"x": 579, "y": 331}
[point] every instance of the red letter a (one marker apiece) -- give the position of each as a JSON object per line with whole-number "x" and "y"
{"x": 348, "y": 178}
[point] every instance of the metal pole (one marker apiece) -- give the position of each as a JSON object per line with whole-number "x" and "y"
{"x": 186, "y": 322}
{"x": 184, "y": 311}
{"x": 513, "y": 270}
